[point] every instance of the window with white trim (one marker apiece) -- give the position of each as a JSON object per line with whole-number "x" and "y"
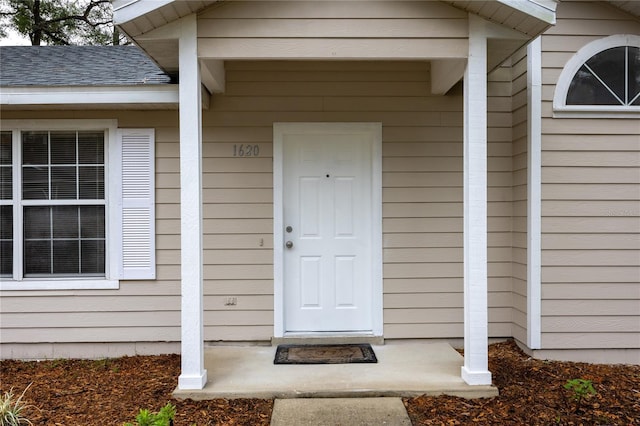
{"x": 602, "y": 78}
{"x": 611, "y": 77}
{"x": 76, "y": 205}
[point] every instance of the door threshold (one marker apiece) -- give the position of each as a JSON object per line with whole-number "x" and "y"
{"x": 327, "y": 339}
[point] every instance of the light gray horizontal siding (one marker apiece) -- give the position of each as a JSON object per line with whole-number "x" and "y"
{"x": 590, "y": 208}
{"x": 422, "y": 208}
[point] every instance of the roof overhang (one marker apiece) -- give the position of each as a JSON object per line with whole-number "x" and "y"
{"x": 136, "y": 17}
{"x": 98, "y": 97}
{"x": 153, "y": 26}
{"x": 139, "y": 17}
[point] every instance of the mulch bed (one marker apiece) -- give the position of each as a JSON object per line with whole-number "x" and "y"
{"x": 532, "y": 393}
{"x": 110, "y": 392}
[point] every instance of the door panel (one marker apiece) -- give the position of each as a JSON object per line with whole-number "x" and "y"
{"x": 327, "y": 202}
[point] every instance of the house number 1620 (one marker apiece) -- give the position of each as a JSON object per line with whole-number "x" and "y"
{"x": 246, "y": 150}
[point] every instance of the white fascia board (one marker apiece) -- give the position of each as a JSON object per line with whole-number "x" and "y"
{"x": 124, "y": 11}
{"x": 90, "y": 95}
{"x": 542, "y": 10}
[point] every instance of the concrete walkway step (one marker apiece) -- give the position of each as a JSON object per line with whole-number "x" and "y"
{"x": 339, "y": 412}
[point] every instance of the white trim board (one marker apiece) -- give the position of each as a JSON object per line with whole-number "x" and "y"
{"x": 279, "y": 132}
{"x": 160, "y": 94}
{"x": 534, "y": 193}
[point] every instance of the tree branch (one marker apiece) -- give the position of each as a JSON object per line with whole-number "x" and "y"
{"x": 55, "y": 37}
{"x": 84, "y": 17}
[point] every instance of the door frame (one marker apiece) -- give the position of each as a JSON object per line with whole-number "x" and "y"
{"x": 374, "y": 131}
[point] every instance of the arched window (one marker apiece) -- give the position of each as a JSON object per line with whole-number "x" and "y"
{"x": 602, "y": 78}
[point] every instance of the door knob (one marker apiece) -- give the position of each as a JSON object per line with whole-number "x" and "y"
{"x": 289, "y": 244}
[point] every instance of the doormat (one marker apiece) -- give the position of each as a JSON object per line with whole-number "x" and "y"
{"x": 325, "y": 354}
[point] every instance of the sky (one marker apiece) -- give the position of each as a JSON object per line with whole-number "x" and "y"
{"x": 14, "y": 39}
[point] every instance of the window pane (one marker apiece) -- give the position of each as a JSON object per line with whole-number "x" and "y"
{"x": 35, "y": 183}
{"x": 585, "y": 89}
{"x": 35, "y": 148}
{"x": 609, "y": 66}
{"x": 91, "y": 182}
{"x": 91, "y": 147}
{"x": 6, "y": 183}
{"x": 634, "y": 75}
{"x": 76, "y": 234}
{"x": 66, "y": 257}
{"x": 6, "y": 156}
{"x": 63, "y": 147}
{"x": 92, "y": 254}
{"x": 37, "y": 223}
{"x": 63, "y": 183}
{"x": 92, "y": 222}
{"x": 6, "y": 222}
{"x": 6, "y": 240}
{"x": 37, "y": 257}
{"x": 6, "y": 171}
{"x": 6, "y": 258}
{"x": 65, "y": 221}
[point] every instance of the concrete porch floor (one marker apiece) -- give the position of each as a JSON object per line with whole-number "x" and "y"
{"x": 404, "y": 369}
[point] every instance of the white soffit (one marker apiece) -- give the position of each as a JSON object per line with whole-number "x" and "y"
{"x": 526, "y": 16}
{"x": 136, "y": 17}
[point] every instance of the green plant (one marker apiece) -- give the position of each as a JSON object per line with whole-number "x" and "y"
{"x": 164, "y": 417}
{"x": 11, "y": 409}
{"x": 581, "y": 388}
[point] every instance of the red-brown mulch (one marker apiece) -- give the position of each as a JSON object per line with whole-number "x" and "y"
{"x": 532, "y": 393}
{"x": 111, "y": 392}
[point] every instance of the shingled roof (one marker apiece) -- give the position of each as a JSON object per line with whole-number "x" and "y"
{"x": 77, "y": 66}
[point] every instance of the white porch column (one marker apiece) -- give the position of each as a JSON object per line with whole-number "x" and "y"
{"x": 475, "y": 370}
{"x": 193, "y": 374}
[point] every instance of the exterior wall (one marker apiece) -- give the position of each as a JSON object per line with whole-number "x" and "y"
{"x": 422, "y": 209}
{"x": 590, "y": 207}
{"x": 500, "y": 200}
{"x": 422, "y": 187}
{"x": 140, "y": 311}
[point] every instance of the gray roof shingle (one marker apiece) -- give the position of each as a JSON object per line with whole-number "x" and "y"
{"x": 77, "y": 66}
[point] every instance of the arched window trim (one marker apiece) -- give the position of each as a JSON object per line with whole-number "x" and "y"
{"x": 561, "y": 109}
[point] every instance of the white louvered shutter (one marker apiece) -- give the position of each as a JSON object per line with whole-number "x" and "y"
{"x": 138, "y": 259}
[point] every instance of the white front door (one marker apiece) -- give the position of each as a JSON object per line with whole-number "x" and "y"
{"x": 327, "y": 235}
